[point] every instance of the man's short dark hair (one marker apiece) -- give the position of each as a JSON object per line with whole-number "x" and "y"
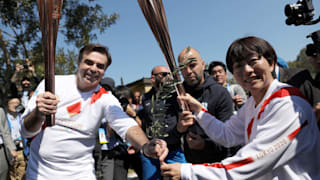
{"x": 95, "y": 48}
{"x": 244, "y": 47}
{"x": 123, "y": 92}
{"x": 214, "y": 64}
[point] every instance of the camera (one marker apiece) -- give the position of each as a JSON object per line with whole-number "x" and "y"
{"x": 314, "y": 49}
{"x": 25, "y": 66}
{"x": 124, "y": 103}
{"x": 18, "y": 143}
{"x": 300, "y": 13}
{"x": 20, "y": 108}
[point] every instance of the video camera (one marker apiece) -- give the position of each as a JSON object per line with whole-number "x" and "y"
{"x": 300, "y": 13}
{"x": 124, "y": 102}
{"x": 314, "y": 49}
{"x": 19, "y": 108}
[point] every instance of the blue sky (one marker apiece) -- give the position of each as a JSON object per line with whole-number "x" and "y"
{"x": 207, "y": 25}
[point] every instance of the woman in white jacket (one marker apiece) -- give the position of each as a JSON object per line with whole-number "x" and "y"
{"x": 276, "y": 124}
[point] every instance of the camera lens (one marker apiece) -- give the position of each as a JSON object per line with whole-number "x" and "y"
{"x": 288, "y": 10}
{"x": 19, "y": 108}
{"x": 124, "y": 102}
{"x": 293, "y": 9}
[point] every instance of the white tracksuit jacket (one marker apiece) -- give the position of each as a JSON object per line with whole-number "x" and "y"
{"x": 280, "y": 135}
{"x": 64, "y": 151}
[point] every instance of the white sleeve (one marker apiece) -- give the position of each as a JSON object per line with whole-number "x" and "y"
{"x": 228, "y": 134}
{"x": 275, "y": 144}
{"x": 118, "y": 120}
{"x": 30, "y": 107}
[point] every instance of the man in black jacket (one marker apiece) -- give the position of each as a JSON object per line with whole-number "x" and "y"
{"x": 314, "y": 58}
{"x": 300, "y": 78}
{"x": 198, "y": 148}
{"x": 159, "y": 118}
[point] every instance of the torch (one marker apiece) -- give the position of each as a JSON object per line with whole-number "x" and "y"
{"x": 49, "y": 12}
{"x": 154, "y": 13}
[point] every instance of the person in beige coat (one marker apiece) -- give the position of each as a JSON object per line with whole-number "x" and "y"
{"x": 5, "y": 141}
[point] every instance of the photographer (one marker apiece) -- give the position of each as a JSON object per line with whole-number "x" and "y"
{"x": 313, "y": 53}
{"x": 302, "y": 13}
{"x": 17, "y": 171}
{"x": 124, "y": 94}
{"x": 23, "y": 81}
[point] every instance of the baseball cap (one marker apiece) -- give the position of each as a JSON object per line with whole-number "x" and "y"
{"x": 107, "y": 83}
{"x": 282, "y": 63}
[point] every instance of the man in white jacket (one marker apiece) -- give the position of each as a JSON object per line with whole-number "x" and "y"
{"x": 64, "y": 151}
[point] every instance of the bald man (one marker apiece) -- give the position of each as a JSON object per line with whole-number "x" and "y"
{"x": 197, "y": 146}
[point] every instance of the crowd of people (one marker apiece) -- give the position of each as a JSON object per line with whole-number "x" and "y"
{"x": 264, "y": 127}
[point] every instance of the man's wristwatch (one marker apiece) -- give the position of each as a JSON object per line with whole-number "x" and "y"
{"x": 142, "y": 151}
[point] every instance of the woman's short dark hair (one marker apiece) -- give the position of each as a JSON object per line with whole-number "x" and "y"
{"x": 245, "y": 47}
{"x": 95, "y": 48}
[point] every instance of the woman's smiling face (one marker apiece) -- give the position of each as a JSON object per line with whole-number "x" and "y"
{"x": 254, "y": 74}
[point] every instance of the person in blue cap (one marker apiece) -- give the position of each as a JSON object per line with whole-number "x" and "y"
{"x": 282, "y": 63}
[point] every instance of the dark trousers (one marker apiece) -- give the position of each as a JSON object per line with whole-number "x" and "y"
{"x": 113, "y": 164}
{"x": 113, "y": 168}
{"x": 3, "y": 164}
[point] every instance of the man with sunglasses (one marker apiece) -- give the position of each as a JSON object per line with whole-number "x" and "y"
{"x": 159, "y": 118}
{"x": 64, "y": 150}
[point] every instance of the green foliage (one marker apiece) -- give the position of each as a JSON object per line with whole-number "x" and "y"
{"x": 66, "y": 62}
{"x": 20, "y": 19}
{"x": 20, "y": 35}
{"x": 159, "y": 109}
{"x": 302, "y": 62}
{"x": 83, "y": 19}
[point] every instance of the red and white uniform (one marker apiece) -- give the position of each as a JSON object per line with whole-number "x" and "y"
{"x": 280, "y": 135}
{"x": 64, "y": 151}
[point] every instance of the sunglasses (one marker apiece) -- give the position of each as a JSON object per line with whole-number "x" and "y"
{"x": 163, "y": 74}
